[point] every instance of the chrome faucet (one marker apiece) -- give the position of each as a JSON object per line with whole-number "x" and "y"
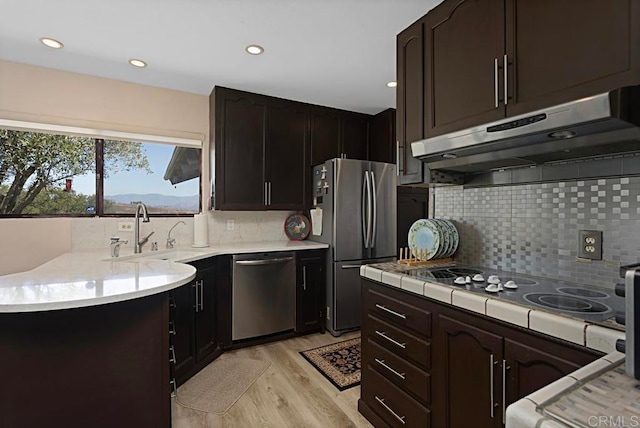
{"x": 170, "y": 240}
{"x": 115, "y": 245}
{"x": 136, "y": 228}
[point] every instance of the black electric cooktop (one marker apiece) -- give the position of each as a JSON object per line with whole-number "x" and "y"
{"x": 587, "y": 302}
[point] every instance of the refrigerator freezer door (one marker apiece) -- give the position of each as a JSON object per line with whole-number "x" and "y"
{"x": 346, "y": 295}
{"x": 350, "y": 192}
{"x": 383, "y": 235}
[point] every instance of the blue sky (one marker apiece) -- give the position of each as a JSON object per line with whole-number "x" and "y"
{"x": 140, "y": 181}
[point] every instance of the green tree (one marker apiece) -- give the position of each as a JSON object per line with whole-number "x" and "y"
{"x": 31, "y": 162}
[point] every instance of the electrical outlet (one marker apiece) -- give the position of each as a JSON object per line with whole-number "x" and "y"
{"x": 125, "y": 226}
{"x": 590, "y": 244}
{"x": 231, "y": 224}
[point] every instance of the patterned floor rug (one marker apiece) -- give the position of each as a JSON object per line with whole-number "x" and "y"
{"x": 339, "y": 362}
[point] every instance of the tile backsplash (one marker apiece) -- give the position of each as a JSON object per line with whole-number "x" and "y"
{"x": 87, "y": 233}
{"x": 533, "y": 228}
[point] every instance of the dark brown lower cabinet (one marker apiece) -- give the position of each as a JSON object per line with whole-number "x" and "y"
{"x": 99, "y": 366}
{"x": 310, "y": 291}
{"x": 456, "y": 369}
{"x": 471, "y": 361}
{"x": 193, "y": 317}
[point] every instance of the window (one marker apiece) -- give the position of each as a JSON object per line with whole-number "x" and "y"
{"x": 54, "y": 174}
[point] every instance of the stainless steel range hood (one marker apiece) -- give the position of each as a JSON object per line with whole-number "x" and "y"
{"x": 600, "y": 125}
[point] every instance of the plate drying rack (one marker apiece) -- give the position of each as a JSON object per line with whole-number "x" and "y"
{"x": 406, "y": 257}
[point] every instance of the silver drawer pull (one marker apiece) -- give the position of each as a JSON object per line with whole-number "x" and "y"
{"x": 381, "y": 401}
{"x": 398, "y": 314}
{"x": 172, "y": 358}
{"x": 382, "y": 334}
{"x": 172, "y": 328}
{"x": 174, "y": 388}
{"x": 382, "y": 363}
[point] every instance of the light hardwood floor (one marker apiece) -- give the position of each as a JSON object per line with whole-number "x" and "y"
{"x": 290, "y": 393}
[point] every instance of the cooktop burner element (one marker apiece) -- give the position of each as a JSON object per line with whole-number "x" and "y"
{"x": 583, "y": 292}
{"x": 566, "y": 303}
{"x": 442, "y": 274}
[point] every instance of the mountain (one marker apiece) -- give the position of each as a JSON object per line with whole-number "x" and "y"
{"x": 157, "y": 200}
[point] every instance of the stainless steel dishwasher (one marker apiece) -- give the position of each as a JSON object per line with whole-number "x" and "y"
{"x": 263, "y": 298}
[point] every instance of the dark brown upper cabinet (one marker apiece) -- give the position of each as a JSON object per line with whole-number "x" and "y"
{"x": 325, "y": 134}
{"x": 410, "y": 101}
{"x": 239, "y": 126}
{"x": 260, "y": 151}
{"x": 286, "y": 155}
{"x": 337, "y": 134}
{"x": 382, "y": 135}
{"x": 486, "y": 60}
{"x": 464, "y": 51}
{"x": 564, "y": 50}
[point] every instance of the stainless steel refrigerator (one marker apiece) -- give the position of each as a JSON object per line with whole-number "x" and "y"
{"x": 358, "y": 203}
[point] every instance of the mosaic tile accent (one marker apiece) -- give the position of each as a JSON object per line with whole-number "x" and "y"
{"x": 533, "y": 228}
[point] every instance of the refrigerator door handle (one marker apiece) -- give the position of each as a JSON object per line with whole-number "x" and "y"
{"x": 369, "y": 210}
{"x": 365, "y": 227}
{"x": 374, "y": 223}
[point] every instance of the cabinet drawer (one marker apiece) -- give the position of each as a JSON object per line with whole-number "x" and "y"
{"x": 402, "y": 373}
{"x": 393, "y": 405}
{"x": 400, "y": 313}
{"x": 399, "y": 342}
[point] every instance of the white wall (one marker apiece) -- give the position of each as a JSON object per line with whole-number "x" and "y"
{"x": 44, "y": 95}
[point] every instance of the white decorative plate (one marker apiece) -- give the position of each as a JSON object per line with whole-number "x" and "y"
{"x": 424, "y": 237}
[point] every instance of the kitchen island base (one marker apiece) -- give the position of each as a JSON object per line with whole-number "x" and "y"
{"x": 98, "y": 366}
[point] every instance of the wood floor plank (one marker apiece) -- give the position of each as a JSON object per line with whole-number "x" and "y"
{"x": 290, "y": 393}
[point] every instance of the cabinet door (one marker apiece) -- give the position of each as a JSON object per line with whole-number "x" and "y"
{"x": 382, "y": 132}
{"x": 355, "y": 131}
{"x": 287, "y": 149}
{"x": 586, "y": 48}
{"x": 464, "y": 40}
{"x": 183, "y": 317}
{"x": 325, "y": 134}
{"x": 471, "y": 368}
{"x": 413, "y": 204}
{"x": 410, "y": 101}
{"x": 310, "y": 292}
{"x": 240, "y": 133}
{"x": 205, "y": 314}
{"x": 535, "y": 365}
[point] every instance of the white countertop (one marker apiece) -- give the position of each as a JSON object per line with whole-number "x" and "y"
{"x": 91, "y": 277}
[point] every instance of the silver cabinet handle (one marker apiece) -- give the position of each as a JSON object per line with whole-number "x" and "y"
{"x": 495, "y": 81}
{"x": 195, "y": 286}
{"x": 365, "y": 236}
{"x": 398, "y": 314}
{"x": 202, "y": 294}
{"x": 263, "y": 262}
{"x": 395, "y": 342}
{"x": 374, "y": 206}
{"x": 304, "y": 278}
{"x": 399, "y": 418}
{"x": 491, "y": 382}
{"x": 172, "y": 358}
{"x": 266, "y": 194}
{"x": 506, "y": 78}
{"x": 174, "y": 387}
{"x": 505, "y": 367}
{"x": 172, "y": 328}
{"x": 398, "y": 158}
{"x": 382, "y": 363}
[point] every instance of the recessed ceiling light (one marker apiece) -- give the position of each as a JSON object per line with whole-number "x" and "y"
{"x": 138, "y": 63}
{"x": 254, "y": 49}
{"x": 392, "y": 84}
{"x": 52, "y": 43}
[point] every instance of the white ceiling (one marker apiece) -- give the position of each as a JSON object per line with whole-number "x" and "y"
{"x": 339, "y": 53}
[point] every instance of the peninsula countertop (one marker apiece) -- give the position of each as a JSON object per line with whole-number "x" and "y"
{"x": 91, "y": 277}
